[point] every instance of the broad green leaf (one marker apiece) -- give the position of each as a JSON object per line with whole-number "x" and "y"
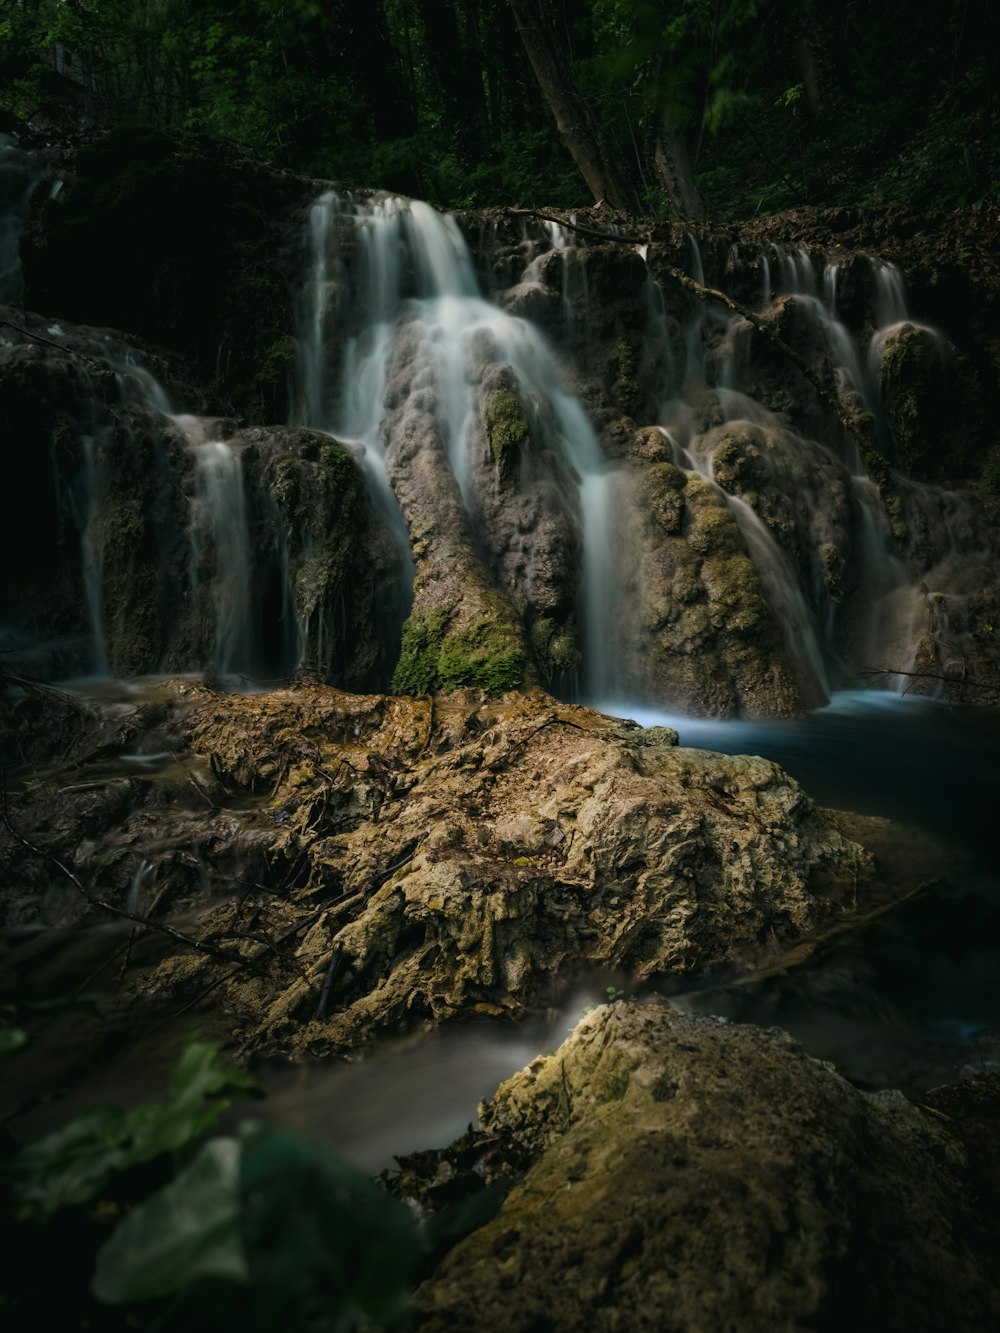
{"x": 321, "y": 1237}
{"x": 12, "y": 1039}
{"x": 73, "y": 1165}
{"x": 190, "y": 1229}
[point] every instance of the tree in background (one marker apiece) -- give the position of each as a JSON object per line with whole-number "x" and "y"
{"x": 678, "y": 107}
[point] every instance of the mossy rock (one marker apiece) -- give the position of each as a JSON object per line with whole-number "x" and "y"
{"x": 554, "y": 649}
{"x": 506, "y": 428}
{"x": 488, "y": 656}
{"x": 417, "y": 669}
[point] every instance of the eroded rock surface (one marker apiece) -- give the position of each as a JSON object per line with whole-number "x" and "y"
{"x": 685, "y": 1174}
{"x": 422, "y": 861}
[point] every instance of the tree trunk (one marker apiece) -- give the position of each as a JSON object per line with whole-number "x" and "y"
{"x": 579, "y": 128}
{"x": 672, "y": 165}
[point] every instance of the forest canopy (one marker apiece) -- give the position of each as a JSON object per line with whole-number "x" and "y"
{"x": 733, "y": 108}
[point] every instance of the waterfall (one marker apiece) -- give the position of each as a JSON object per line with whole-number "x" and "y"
{"x": 413, "y": 276}
{"x": 218, "y": 529}
{"x": 219, "y": 521}
{"x": 17, "y": 178}
{"x": 84, "y": 501}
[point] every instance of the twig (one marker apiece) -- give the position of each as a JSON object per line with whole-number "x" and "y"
{"x": 331, "y": 976}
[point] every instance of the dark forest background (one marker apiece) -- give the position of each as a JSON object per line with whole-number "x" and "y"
{"x": 734, "y": 107}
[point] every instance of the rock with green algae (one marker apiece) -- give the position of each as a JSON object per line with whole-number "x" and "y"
{"x": 505, "y": 425}
{"x": 696, "y": 628}
{"x": 686, "y": 1174}
{"x": 918, "y": 383}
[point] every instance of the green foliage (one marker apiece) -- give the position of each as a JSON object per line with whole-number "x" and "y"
{"x": 258, "y": 1231}
{"x": 72, "y": 1166}
{"x": 11, "y": 1039}
{"x": 283, "y": 1230}
{"x": 190, "y": 1229}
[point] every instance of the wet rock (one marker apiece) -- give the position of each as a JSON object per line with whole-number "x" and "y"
{"x": 486, "y": 851}
{"x": 434, "y": 860}
{"x": 686, "y": 1174}
{"x": 918, "y": 383}
{"x": 462, "y": 630}
{"x": 696, "y": 618}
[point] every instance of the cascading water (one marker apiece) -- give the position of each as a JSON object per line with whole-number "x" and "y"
{"x": 219, "y": 520}
{"x": 413, "y": 278}
{"x": 84, "y": 504}
{"x": 885, "y": 616}
{"x": 218, "y": 527}
{"x": 16, "y": 180}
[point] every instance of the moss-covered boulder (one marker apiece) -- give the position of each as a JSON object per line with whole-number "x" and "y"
{"x": 918, "y": 382}
{"x": 697, "y": 629}
{"x": 686, "y": 1174}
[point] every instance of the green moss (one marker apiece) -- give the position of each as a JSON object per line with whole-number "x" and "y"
{"x": 665, "y": 485}
{"x": 506, "y": 427}
{"x": 734, "y": 590}
{"x": 624, "y": 367}
{"x": 554, "y": 649}
{"x": 712, "y": 530}
{"x": 488, "y": 656}
{"x": 417, "y": 669}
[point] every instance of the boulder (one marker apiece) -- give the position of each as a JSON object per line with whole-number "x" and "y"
{"x": 685, "y": 1174}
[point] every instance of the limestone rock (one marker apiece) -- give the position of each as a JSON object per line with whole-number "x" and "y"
{"x": 685, "y": 1174}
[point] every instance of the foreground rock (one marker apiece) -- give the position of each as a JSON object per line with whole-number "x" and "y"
{"x": 685, "y": 1174}
{"x": 413, "y": 861}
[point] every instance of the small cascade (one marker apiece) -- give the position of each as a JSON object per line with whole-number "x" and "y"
{"x": 84, "y": 504}
{"x": 218, "y": 530}
{"x": 411, "y": 292}
{"x": 17, "y": 177}
{"x": 219, "y": 523}
{"x": 694, "y": 452}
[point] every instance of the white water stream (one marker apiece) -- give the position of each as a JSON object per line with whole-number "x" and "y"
{"x": 412, "y": 276}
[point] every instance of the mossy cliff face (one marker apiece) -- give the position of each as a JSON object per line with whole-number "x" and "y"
{"x": 117, "y": 572}
{"x": 671, "y": 1158}
{"x": 318, "y": 546}
{"x": 462, "y": 629}
{"x": 918, "y": 381}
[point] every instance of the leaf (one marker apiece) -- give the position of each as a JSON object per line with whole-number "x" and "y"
{"x": 190, "y": 1229}
{"x": 71, "y": 1166}
{"x": 12, "y": 1039}
{"x": 322, "y": 1238}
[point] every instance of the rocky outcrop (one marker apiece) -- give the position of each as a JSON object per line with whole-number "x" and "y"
{"x": 699, "y": 630}
{"x": 462, "y": 629}
{"x": 425, "y": 861}
{"x": 685, "y": 1174}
